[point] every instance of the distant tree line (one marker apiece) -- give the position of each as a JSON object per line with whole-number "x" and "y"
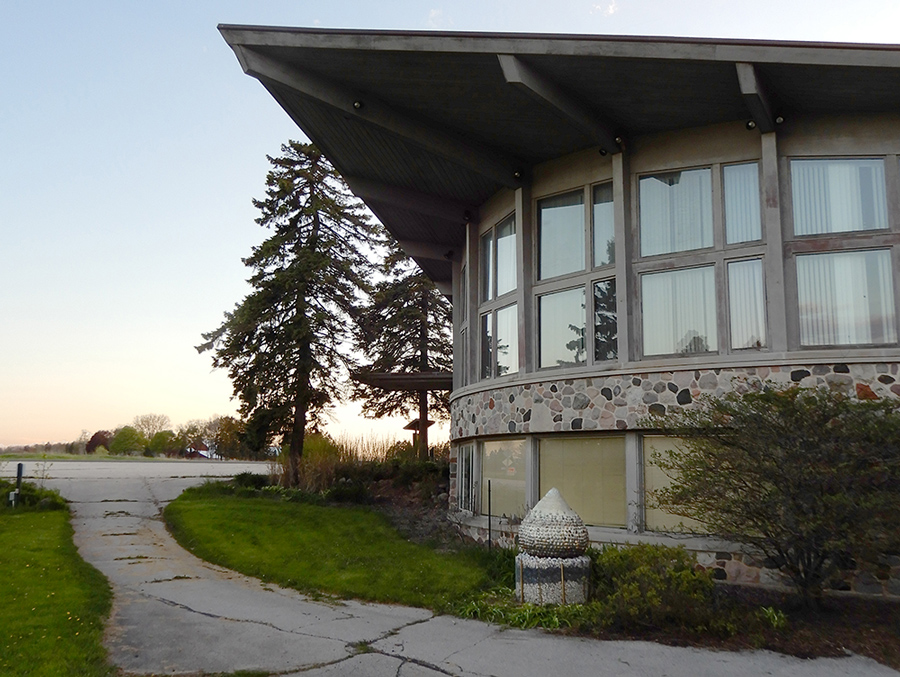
{"x": 154, "y": 435}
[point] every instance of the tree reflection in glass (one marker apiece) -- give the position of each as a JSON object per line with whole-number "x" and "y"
{"x": 605, "y": 327}
{"x": 560, "y": 315}
{"x": 507, "y": 341}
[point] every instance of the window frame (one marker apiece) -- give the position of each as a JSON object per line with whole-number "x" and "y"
{"x": 719, "y": 255}
{"x": 716, "y": 206}
{"x": 491, "y": 306}
{"x": 467, "y": 466}
{"x": 482, "y": 483}
{"x": 838, "y": 242}
{"x": 584, "y": 278}
{"x": 604, "y": 435}
{"x": 493, "y": 273}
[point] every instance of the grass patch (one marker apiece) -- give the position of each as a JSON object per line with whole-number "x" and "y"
{"x": 293, "y": 538}
{"x": 341, "y": 551}
{"x": 53, "y": 603}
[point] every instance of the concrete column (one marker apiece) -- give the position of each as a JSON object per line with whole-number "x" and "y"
{"x": 524, "y": 259}
{"x": 622, "y": 211}
{"x": 774, "y": 264}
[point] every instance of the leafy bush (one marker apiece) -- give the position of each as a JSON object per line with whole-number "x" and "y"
{"x": 251, "y": 480}
{"x": 348, "y": 491}
{"x": 807, "y": 476}
{"x": 650, "y": 586}
{"x": 636, "y": 587}
{"x": 32, "y": 497}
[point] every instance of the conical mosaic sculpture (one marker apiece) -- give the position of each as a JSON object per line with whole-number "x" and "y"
{"x": 552, "y": 569}
{"x": 553, "y": 529}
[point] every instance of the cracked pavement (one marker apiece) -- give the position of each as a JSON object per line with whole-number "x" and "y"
{"x": 175, "y": 614}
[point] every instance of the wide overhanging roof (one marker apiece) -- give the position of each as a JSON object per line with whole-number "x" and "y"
{"x": 426, "y": 126}
{"x": 425, "y": 380}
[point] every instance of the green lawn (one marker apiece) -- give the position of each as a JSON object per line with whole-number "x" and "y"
{"x": 52, "y": 604}
{"x": 342, "y": 551}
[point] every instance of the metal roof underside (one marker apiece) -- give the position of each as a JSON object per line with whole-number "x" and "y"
{"x": 426, "y": 126}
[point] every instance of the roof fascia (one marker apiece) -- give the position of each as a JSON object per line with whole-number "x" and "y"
{"x": 636, "y": 47}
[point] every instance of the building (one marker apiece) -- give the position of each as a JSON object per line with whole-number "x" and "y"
{"x": 623, "y": 224}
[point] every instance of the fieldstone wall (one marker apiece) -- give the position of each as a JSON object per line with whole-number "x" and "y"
{"x": 618, "y": 402}
{"x": 727, "y": 566}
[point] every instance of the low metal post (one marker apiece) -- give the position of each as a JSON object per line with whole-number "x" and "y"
{"x": 490, "y": 531}
{"x": 14, "y": 495}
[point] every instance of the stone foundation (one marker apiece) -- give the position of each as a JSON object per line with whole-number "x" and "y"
{"x": 730, "y": 566}
{"x": 619, "y": 402}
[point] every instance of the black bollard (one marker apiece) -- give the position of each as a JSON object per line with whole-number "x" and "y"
{"x": 14, "y": 495}
{"x": 490, "y": 535}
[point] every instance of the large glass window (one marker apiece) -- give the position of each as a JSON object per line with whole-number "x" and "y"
{"x": 500, "y": 342}
{"x": 503, "y": 465}
{"x": 487, "y": 266}
{"x": 561, "y": 320}
{"x": 679, "y": 311}
{"x": 846, "y": 298}
{"x": 747, "y": 304}
{"x": 465, "y": 478}
{"x": 560, "y": 235}
{"x": 741, "y": 185}
{"x": 834, "y": 196}
{"x": 604, "y": 225}
{"x": 676, "y": 211}
{"x": 506, "y": 256}
{"x": 654, "y": 479}
{"x": 590, "y": 475}
{"x": 498, "y": 260}
{"x": 507, "y": 341}
{"x": 605, "y": 326}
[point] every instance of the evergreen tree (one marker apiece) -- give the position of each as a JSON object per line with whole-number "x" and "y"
{"x": 282, "y": 345}
{"x": 405, "y": 329}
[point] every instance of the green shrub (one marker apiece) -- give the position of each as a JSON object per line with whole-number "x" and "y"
{"x": 806, "y": 476}
{"x": 251, "y": 480}
{"x": 32, "y": 497}
{"x": 637, "y": 587}
{"x": 650, "y": 586}
{"x": 347, "y": 491}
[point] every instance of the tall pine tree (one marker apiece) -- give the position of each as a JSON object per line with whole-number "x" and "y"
{"x": 283, "y": 345}
{"x": 405, "y": 329}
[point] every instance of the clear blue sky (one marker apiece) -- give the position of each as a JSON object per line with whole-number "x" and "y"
{"x": 131, "y": 144}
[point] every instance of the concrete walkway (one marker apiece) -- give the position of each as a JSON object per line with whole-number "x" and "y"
{"x": 174, "y": 614}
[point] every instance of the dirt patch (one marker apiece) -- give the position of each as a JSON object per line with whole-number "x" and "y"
{"x": 419, "y": 512}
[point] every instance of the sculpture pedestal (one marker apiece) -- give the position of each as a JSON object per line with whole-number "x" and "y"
{"x": 552, "y": 580}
